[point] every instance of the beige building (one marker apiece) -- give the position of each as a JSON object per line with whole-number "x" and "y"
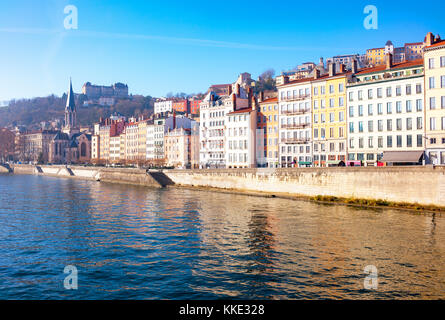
{"x": 434, "y": 58}
{"x": 178, "y": 148}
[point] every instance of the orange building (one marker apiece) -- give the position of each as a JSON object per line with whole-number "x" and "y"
{"x": 268, "y": 124}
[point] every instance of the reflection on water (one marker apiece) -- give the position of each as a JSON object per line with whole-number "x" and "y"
{"x": 137, "y": 243}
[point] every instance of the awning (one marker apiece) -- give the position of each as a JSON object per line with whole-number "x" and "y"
{"x": 402, "y": 156}
{"x": 303, "y": 163}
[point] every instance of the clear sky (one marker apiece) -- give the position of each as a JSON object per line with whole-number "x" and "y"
{"x": 158, "y": 47}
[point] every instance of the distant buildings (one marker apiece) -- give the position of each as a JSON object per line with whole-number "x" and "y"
{"x": 409, "y": 52}
{"x": 118, "y": 90}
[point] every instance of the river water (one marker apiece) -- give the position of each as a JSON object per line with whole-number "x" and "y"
{"x": 129, "y": 242}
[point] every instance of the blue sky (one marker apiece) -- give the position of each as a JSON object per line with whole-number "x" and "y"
{"x": 158, "y": 47}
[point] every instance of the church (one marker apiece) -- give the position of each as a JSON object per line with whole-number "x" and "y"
{"x": 70, "y": 146}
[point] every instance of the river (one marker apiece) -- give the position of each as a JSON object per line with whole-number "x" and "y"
{"x": 130, "y": 242}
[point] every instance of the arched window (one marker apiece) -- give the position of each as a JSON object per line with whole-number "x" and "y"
{"x": 83, "y": 149}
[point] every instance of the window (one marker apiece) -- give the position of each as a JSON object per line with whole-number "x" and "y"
{"x": 351, "y": 143}
{"x": 442, "y": 104}
{"x": 418, "y": 88}
{"x": 409, "y": 123}
{"x": 341, "y": 102}
{"x": 398, "y": 91}
{"x": 316, "y": 133}
{"x": 419, "y": 106}
{"x": 409, "y": 106}
{"x": 442, "y": 62}
{"x": 432, "y": 123}
{"x": 341, "y": 87}
{"x": 315, "y": 91}
{"x": 442, "y": 81}
{"x": 315, "y": 118}
{"x": 360, "y": 142}
{"x": 432, "y": 103}
{"x": 370, "y": 94}
{"x": 389, "y": 125}
{"x": 432, "y": 82}
{"x": 351, "y": 96}
{"x": 419, "y": 140}
{"x": 370, "y": 110}
{"x": 351, "y": 127}
{"x": 360, "y": 95}
{"x": 388, "y": 91}
{"x": 409, "y": 141}
{"x": 399, "y": 106}
{"x": 399, "y": 141}
{"x": 380, "y": 108}
{"x": 370, "y": 142}
{"x": 331, "y": 117}
{"x": 331, "y": 88}
{"x": 380, "y": 125}
{"x": 431, "y": 63}
{"x": 360, "y": 111}
{"x": 380, "y": 142}
{"x": 360, "y": 126}
{"x": 341, "y": 133}
{"x": 389, "y": 141}
{"x": 370, "y": 126}
{"x": 341, "y": 116}
{"x": 408, "y": 89}
{"x": 379, "y": 93}
{"x": 399, "y": 124}
{"x": 331, "y": 103}
{"x": 443, "y": 123}
{"x": 419, "y": 123}
{"x": 389, "y": 108}
{"x": 351, "y": 111}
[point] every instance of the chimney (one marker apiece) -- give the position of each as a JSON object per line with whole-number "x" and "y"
{"x": 354, "y": 66}
{"x": 331, "y": 69}
{"x": 316, "y": 74}
{"x": 229, "y": 90}
{"x": 174, "y": 120}
{"x": 429, "y": 39}
{"x": 253, "y": 103}
{"x": 321, "y": 62}
{"x": 249, "y": 93}
{"x": 238, "y": 89}
{"x": 437, "y": 38}
{"x": 342, "y": 68}
{"x": 234, "y": 102}
{"x": 261, "y": 96}
{"x": 285, "y": 79}
{"x": 388, "y": 61}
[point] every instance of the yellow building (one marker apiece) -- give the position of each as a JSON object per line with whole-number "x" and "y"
{"x": 268, "y": 123}
{"x": 375, "y": 56}
{"x": 434, "y": 59}
{"x": 142, "y": 140}
{"x": 329, "y": 119}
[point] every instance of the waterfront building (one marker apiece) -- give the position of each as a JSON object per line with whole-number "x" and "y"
{"x": 34, "y": 146}
{"x": 194, "y": 152}
{"x": 132, "y": 141}
{"x": 241, "y": 138}
{"x": 178, "y": 147}
{"x": 115, "y": 149}
{"x": 329, "y": 117}
{"x": 386, "y": 111}
{"x": 142, "y": 139}
{"x": 268, "y": 128}
{"x": 214, "y": 109}
{"x": 295, "y": 116}
{"x": 435, "y": 99}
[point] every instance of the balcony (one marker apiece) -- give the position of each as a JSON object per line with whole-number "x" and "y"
{"x": 295, "y": 141}
{"x": 295, "y": 126}
{"x": 295, "y": 112}
{"x": 295, "y": 98}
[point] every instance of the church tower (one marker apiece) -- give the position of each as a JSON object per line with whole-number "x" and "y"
{"x": 70, "y": 113}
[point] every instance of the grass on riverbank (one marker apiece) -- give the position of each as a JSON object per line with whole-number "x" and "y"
{"x": 379, "y": 203}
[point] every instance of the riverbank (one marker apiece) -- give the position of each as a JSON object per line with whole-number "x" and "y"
{"x": 413, "y": 188}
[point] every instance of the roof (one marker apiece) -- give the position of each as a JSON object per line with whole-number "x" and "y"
{"x": 311, "y": 79}
{"x": 244, "y": 110}
{"x": 414, "y": 44}
{"x": 70, "y": 105}
{"x": 402, "y": 156}
{"x": 401, "y": 65}
{"x": 270, "y": 100}
{"x": 438, "y": 44}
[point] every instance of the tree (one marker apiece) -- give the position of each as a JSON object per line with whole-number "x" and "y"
{"x": 7, "y": 145}
{"x": 265, "y": 82}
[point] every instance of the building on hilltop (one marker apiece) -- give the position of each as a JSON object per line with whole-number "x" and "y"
{"x": 118, "y": 90}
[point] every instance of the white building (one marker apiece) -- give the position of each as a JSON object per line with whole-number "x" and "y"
{"x": 213, "y": 117}
{"x": 163, "y": 105}
{"x": 241, "y": 142}
{"x": 386, "y": 111}
{"x": 295, "y": 116}
{"x": 155, "y": 140}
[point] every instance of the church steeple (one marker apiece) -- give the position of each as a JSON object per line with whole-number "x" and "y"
{"x": 70, "y": 112}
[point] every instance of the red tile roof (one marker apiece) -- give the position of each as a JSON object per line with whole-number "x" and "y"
{"x": 382, "y": 67}
{"x": 270, "y": 100}
{"x": 440, "y": 43}
{"x": 244, "y": 110}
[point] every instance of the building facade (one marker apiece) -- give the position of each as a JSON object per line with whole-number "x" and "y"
{"x": 435, "y": 100}
{"x": 385, "y": 111}
{"x": 268, "y": 124}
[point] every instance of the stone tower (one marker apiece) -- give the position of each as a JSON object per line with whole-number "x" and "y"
{"x": 70, "y": 113}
